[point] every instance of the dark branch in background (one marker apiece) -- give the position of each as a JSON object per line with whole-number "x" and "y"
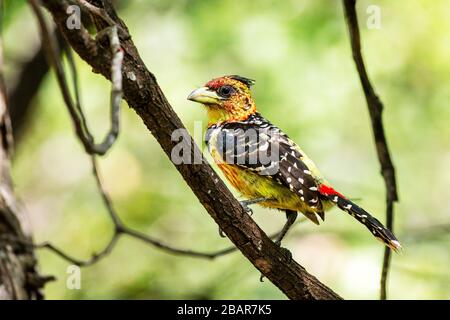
{"x": 27, "y": 85}
{"x": 143, "y": 94}
{"x": 375, "y": 110}
{"x": 19, "y": 278}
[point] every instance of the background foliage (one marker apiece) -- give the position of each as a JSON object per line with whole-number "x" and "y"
{"x": 298, "y": 52}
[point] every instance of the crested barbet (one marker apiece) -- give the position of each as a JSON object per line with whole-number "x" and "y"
{"x": 287, "y": 179}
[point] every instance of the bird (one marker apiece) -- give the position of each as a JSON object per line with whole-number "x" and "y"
{"x": 264, "y": 165}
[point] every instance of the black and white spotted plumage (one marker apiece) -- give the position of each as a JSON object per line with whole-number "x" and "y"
{"x": 371, "y": 223}
{"x": 237, "y": 147}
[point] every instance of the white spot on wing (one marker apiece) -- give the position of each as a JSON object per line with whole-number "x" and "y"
{"x": 264, "y": 147}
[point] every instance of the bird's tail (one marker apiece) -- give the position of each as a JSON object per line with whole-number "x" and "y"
{"x": 376, "y": 227}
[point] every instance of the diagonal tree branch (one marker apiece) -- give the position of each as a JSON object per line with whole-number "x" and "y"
{"x": 143, "y": 94}
{"x": 375, "y": 107}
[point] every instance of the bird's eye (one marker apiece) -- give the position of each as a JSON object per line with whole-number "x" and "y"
{"x": 225, "y": 91}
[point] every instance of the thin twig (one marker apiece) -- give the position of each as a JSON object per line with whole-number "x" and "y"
{"x": 81, "y": 128}
{"x": 97, "y": 11}
{"x": 375, "y": 107}
{"x": 136, "y": 235}
{"x": 96, "y": 257}
{"x": 121, "y": 229}
{"x": 76, "y": 91}
{"x": 81, "y": 263}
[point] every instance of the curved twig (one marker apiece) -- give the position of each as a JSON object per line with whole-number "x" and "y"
{"x": 375, "y": 107}
{"x": 74, "y": 109}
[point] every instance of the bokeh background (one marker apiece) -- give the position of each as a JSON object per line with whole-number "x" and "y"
{"x": 298, "y": 51}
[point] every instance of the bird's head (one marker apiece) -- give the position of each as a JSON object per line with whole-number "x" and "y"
{"x": 227, "y": 99}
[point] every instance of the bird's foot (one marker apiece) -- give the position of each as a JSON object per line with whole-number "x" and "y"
{"x": 286, "y": 253}
{"x": 246, "y": 208}
{"x": 245, "y": 204}
{"x": 221, "y": 234}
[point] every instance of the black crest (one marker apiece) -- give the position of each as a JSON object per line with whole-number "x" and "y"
{"x": 248, "y": 82}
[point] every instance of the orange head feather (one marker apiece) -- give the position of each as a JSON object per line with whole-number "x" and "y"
{"x": 227, "y": 99}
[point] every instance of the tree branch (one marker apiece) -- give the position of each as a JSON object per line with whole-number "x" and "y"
{"x": 75, "y": 111}
{"x": 375, "y": 107}
{"x": 143, "y": 94}
{"x": 28, "y": 83}
{"x": 19, "y": 278}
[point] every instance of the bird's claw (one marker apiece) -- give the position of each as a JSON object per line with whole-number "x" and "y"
{"x": 221, "y": 234}
{"x": 287, "y": 254}
{"x": 246, "y": 208}
{"x": 284, "y": 251}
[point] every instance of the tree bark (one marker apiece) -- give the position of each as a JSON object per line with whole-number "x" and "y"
{"x": 18, "y": 275}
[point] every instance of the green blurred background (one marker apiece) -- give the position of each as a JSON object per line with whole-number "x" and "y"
{"x": 298, "y": 51}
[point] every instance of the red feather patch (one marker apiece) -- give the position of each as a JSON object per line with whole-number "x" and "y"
{"x": 329, "y": 191}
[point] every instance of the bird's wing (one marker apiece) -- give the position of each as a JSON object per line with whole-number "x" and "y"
{"x": 259, "y": 146}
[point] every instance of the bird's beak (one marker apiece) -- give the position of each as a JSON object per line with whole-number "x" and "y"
{"x": 204, "y": 95}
